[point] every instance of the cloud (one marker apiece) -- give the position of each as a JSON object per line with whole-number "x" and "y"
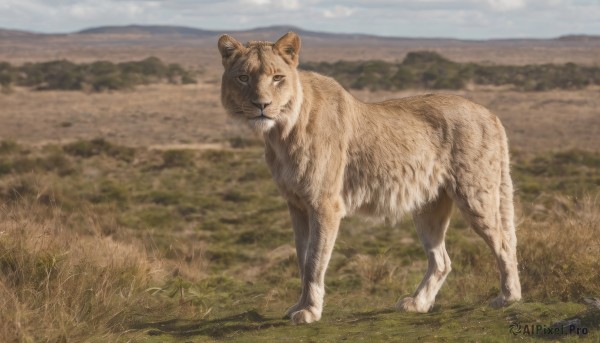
{"x": 284, "y": 4}
{"x": 506, "y": 5}
{"x": 289, "y": 4}
{"x": 257, "y": 2}
{"x": 338, "y": 12}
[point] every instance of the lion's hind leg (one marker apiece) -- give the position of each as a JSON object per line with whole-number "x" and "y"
{"x": 431, "y": 223}
{"x": 489, "y": 211}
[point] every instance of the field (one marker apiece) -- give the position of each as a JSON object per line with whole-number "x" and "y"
{"x": 148, "y": 215}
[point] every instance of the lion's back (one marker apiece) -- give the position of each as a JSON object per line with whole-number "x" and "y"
{"x": 407, "y": 149}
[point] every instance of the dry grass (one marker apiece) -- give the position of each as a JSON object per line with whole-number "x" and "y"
{"x": 59, "y": 286}
{"x": 191, "y": 115}
{"x": 62, "y": 285}
{"x": 372, "y": 270}
{"x": 559, "y": 250}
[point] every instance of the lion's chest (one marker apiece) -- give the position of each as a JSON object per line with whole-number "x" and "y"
{"x": 290, "y": 175}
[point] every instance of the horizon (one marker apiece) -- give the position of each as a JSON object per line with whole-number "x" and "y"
{"x": 460, "y": 19}
{"x": 294, "y": 27}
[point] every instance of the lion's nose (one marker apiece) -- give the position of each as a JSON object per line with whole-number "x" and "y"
{"x": 261, "y": 104}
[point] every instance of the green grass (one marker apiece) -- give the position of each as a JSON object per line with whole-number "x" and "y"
{"x": 456, "y": 324}
{"x": 214, "y": 224}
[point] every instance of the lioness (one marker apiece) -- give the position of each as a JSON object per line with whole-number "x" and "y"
{"x": 332, "y": 155}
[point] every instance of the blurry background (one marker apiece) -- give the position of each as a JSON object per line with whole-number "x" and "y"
{"x": 132, "y": 206}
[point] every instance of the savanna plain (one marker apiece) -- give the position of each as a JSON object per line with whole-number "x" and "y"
{"x": 143, "y": 213}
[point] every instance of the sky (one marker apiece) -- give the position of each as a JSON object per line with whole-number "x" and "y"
{"x": 467, "y": 19}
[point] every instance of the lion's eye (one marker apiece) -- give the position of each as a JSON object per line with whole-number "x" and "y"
{"x": 244, "y": 78}
{"x": 278, "y": 78}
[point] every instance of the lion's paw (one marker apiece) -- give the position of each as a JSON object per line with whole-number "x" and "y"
{"x": 295, "y": 308}
{"x": 306, "y": 316}
{"x": 408, "y": 304}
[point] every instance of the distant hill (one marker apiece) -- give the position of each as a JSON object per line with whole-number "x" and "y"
{"x": 281, "y": 30}
{"x": 149, "y": 30}
{"x": 579, "y": 38}
{"x": 5, "y": 33}
{"x": 268, "y": 32}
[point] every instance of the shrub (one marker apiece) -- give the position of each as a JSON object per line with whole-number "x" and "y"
{"x": 110, "y": 192}
{"x": 430, "y": 70}
{"x": 97, "y": 76}
{"x": 6, "y": 74}
{"x": 404, "y": 78}
{"x": 178, "y": 158}
{"x": 5, "y": 167}
{"x": 7, "y": 147}
{"x": 86, "y": 149}
{"x": 423, "y": 57}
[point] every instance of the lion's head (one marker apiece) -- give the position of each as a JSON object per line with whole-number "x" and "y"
{"x": 260, "y": 82}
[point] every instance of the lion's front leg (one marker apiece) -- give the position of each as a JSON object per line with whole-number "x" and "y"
{"x": 323, "y": 223}
{"x": 301, "y": 228}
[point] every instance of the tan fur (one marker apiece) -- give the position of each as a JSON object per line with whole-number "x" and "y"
{"x": 332, "y": 155}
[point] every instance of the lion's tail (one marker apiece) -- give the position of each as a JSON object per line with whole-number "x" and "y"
{"x": 507, "y": 211}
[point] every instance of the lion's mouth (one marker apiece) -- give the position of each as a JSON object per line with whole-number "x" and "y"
{"x": 260, "y": 117}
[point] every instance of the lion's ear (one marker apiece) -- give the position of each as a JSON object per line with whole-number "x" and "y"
{"x": 288, "y": 47}
{"x": 229, "y": 47}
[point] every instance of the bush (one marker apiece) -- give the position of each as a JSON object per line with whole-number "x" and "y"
{"x": 430, "y": 70}
{"x": 403, "y": 78}
{"x": 110, "y": 192}
{"x": 86, "y": 149}
{"x": 5, "y": 167}
{"x": 97, "y": 76}
{"x": 58, "y": 75}
{"x": 178, "y": 75}
{"x": 424, "y": 57}
{"x": 6, "y": 74}
{"x": 178, "y": 158}
{"x": 7, "y": 147}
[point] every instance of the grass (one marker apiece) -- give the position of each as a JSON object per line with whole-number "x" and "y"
{"x": 196, "y": 245}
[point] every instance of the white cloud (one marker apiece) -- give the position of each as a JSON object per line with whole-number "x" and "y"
{"x": 289, "y": 4}
{"x": 338, "y": 12}
{"x": 282, "y": 4}
{"x": 103, "y": 9}
{"x": 257, "y": 2}
{"x": 81, "y": 11}
{"x": 506, "y": 5}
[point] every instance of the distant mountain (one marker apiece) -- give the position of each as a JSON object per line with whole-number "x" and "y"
{"x": 281, "y": 30}
{"x": 148, "y": 30}
{"x": 5, "y": 33}
{"x": 269, "y": 33}
{"x": 579, "y": 38}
